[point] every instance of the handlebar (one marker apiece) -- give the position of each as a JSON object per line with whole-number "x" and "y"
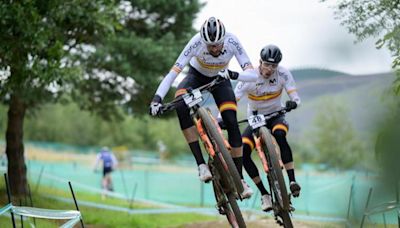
{"x": 177, "y": 102}
{"x": 270, "y": 115}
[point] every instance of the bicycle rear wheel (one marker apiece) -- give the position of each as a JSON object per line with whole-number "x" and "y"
{"x": 218, "y": 141}
{"x": 271, "y": 150}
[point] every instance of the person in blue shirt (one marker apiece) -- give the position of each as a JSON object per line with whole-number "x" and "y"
{"x": 110, "y": 162}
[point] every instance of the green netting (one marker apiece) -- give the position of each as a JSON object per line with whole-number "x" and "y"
{"x": 323, "y": 194}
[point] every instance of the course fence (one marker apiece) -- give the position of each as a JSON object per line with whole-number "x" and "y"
{"x": 332, "y": 195}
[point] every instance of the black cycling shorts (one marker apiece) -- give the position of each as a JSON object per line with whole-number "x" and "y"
{"x": 107, "y": 170}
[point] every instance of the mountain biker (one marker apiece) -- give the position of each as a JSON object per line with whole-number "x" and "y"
{"x": 207, "y": 53}
{"x": 264, "y": 96}
{"x": 109, "y": 164}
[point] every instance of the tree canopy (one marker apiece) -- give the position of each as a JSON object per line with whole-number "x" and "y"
{"x": 100, "y": 54}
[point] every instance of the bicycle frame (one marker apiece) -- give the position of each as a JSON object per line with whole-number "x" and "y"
{"x": 220, "y": 162}
{"x": 269, "y": 153}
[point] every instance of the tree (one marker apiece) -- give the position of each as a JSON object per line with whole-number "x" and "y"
{"x": 36, "y": 40}
{"x": 102, "y": 54}
{"x": 334, "y": 138}
{"x": 387, "y": 144}
{"x": 139, "y": 55}
{"x": 377, "y": 18}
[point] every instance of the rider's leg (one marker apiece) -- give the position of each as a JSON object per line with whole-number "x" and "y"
{"x": 226, "y": 102}
{"x": 192, "y": 139}
{"x": 110, "y": 186}
{"x": 279, "y": 131}
{"x": 251, "y": 169}
{"x": 188, "y": 129}
{"x": 104, "y": 185}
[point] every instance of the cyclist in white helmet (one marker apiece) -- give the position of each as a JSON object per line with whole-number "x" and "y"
{"x": 265, "y": 97}
{"x": 208, "y": 54}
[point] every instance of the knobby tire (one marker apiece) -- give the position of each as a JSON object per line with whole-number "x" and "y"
{"x": 218, "y": 141}
{"x": 271, "y": 150}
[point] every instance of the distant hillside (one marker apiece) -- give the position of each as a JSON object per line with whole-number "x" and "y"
{"x": 315, "y": 73}
{"x": 362, "y": 96}
{"x": 326, "y": 85}
{"x": 333, "y": 85}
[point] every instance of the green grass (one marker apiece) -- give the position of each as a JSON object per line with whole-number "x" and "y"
{"x": 95, "y": 217}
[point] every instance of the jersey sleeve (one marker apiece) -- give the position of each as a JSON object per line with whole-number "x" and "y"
{"x": 114, "y": 161}
{"x": 290, "y": 86}
{"x": 240, "y": 54}
{"x": 247, "y": 76}
{"x": 97, "y": 161}
{"x": 241, "y": 90}
{"x": 183, "y": 59}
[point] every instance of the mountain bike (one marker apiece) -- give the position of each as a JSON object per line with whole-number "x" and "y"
{"x": 269, "y": 153}
{"x": 226, "y": 180}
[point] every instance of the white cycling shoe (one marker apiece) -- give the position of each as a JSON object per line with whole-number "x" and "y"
{"x": 266, "y": 203}
{"x": 204, "y": 173}
{"x": 247, "y": 191}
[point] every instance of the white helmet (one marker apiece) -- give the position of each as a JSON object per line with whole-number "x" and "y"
{"x": 212, "y": 31}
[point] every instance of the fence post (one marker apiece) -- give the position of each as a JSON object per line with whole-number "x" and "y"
{"x": 133, "y": 195}
{"x": 307, "y": 184}
{"x": 39, "y": 178}
{"x": 124, "y": 183}
{"x": 22, "y": 217}
{"x": 76, "y": 204}
{"x": 31, "y": 201}
{"x": 397, "y": 200}
{"x": 366, "y": 207}
{"x": 146, "y": 184}
{"x": 350, "y": 197}
{"x": 384, "y": 219}
{"x": 9, "y": 198}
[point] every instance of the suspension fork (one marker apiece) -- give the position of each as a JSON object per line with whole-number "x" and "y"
{"x": 227, "y": 145}
{"x": 204, "y": 137}
{"x": 261, "y": 153}
{"x": 207, "y": 142}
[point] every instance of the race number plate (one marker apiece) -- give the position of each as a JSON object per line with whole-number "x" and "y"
{"x": 193, "y": 98}
{"x": 256, "y": 121}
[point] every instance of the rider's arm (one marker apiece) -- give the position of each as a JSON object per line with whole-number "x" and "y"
{"x": 241, "y": 90}
{"x": 114, "y": 161}
{"x": 247, "y": 76}
{"x": 97, "y": 161}
{"x": 290, "y": 86}
{"x": 180, "y": 63}
{"x": 240, "y": 54}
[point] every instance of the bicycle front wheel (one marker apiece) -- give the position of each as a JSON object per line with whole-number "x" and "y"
{"x": 218, "y": 142}
{"x": 271, "y": 150}
{"x": 236, "y": 210}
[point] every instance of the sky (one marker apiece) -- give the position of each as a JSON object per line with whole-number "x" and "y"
{"x": 305, "y": 30}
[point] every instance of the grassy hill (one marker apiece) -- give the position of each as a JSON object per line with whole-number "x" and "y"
{"x": 360, "y": 94}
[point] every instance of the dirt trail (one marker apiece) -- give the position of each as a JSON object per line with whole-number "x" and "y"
{"x": 261, "y": 223}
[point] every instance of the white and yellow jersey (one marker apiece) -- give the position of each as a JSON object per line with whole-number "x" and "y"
{"x": 197, "y": 54}
{"x": 265, "y": 94}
